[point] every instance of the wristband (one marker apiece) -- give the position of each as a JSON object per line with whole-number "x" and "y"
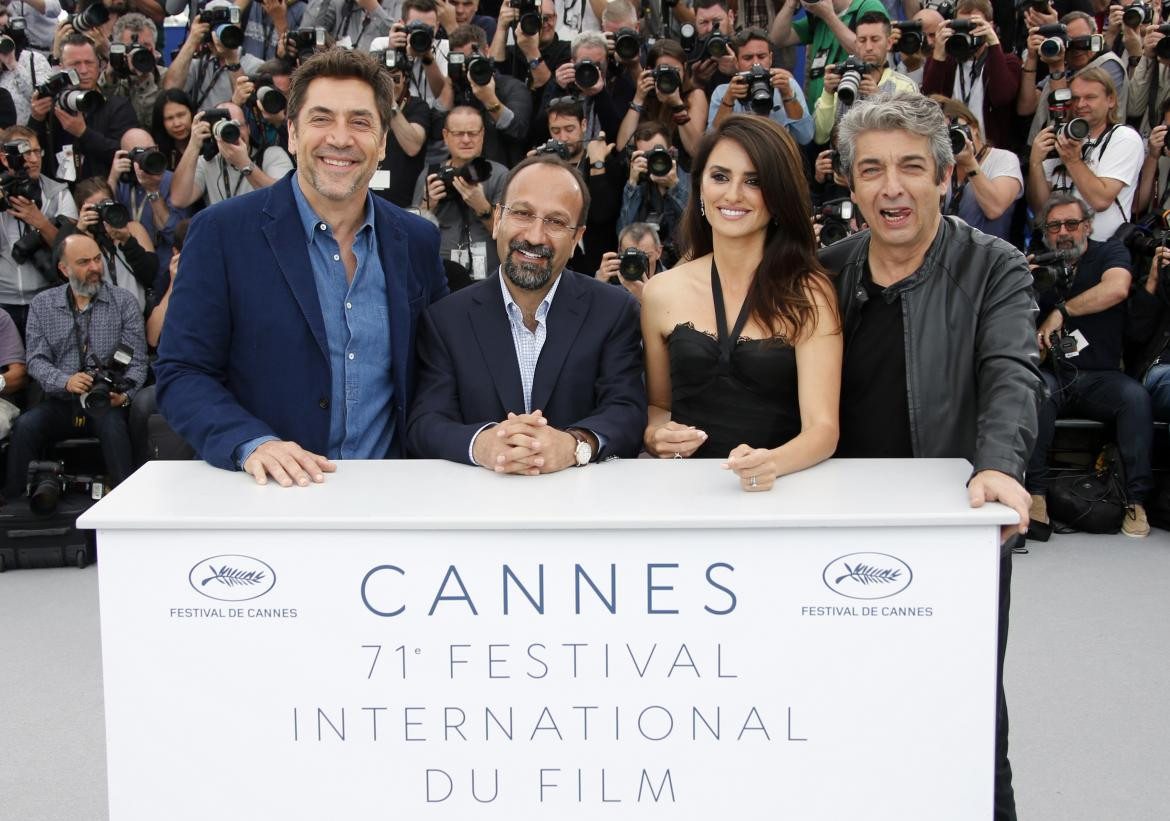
{"x": 231, "y": 66}
{"x": 639, "y": 108}
{"x": 1063, "y": 308}
{"x": 153, "y": 196}
{"x": 728, "y": 104}
{"x": 677, "y": 108}
{"x": 1028, "y": 70}
{"x": 532, "y": 64}
{"x": 492, "y": 109}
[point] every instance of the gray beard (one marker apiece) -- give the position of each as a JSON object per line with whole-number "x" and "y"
{"x": 82, "y": 288}
{"x": 1070, "y": 254}
{"x": 527, "y": 275}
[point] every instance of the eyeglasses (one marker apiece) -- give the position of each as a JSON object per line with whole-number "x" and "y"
{"x": 33, "y": 152}
{"x": 547, "y": 18}
{"x": 459, "y": 135}
{"x": 1068, "y": 225}
{"x": 553, "y": 226}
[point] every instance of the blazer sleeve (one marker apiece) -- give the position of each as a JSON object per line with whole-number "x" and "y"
{"x": 434, "y": 429}
{"x": 619, "y": 413}
{"x": 195, "y": 349}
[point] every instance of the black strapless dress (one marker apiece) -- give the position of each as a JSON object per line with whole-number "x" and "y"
{"x": 740, "y": 391}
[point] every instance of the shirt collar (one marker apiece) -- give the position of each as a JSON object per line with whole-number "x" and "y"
{"x": 101, "y": 296}
{"x": 309, "y": 218}
{"x": 541, "y": 310}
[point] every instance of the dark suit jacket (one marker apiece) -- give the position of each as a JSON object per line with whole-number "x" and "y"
{"x": 244, "y": 354}
{"x": 589, "y": 374}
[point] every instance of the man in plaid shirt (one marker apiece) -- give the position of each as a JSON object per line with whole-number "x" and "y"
{"x": 71, "y": 329}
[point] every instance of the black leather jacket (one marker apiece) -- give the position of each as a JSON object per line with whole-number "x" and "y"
{"x": 972, "y": 364}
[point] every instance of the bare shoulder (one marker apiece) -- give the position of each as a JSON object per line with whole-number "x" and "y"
{"x": 669, "y": 295}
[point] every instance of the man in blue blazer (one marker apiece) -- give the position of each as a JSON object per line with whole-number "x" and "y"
{"x": 289, "y": 340}
{"x": 536, "y": 368}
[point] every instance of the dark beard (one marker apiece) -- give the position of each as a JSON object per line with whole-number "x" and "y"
{"x": 531, "y": 276}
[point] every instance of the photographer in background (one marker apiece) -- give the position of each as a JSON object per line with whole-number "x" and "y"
{"x": 20, "y": 65}
{"x": 1084, "y": 50}
{"x": 41, "y": 20}
{"x": 534, "y": 57}
{"x": 267, "y": 25}
{"x": 713, "y": 16}
{"x": 827, "y": 29}
{"x": 666, "y": 95}
{"x": 354, "y": 23}
{"x": 605, "y": 92}
{"x": 27, "y": 224}
{"x": 1123, "y": 31}
{"x": 218, "y": 164}
{"x": 205, "y": 67}
{"x": 505, "y": 101}
{"x": 128, "y": 257}
{"x": 92, "y": 137}
{"x": 463, "y": 207}
{"x": 637, "y": 259}
{"x": 134, "y": 70}
{"x": 1149, "y": 84}
{"x": 1081, "y": 335}
{"x": 1148, "y": 328}
{"x": 786, "y": 105}
{"x": 1153, "y": 191}
{"x": 1101, "y": 168}
{"x": 428, "y": 64}
{"x": 410, "y": 122}
{"x": 263, "y": 98}
{"x": 861, "y": 76}
{"x": 985, "y": 79}
{"x": 657, "y": 189}
{"x": 73, "y": 331}
{"x": 913, "y": 63}
{"x": 986, "y": 182}
{"x": 465, "y": 14}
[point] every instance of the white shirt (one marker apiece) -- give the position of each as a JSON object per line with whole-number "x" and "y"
{"x": 573, "y": 17}
{"x": 1116, "y": 157}
{"x": 974, "y": 86}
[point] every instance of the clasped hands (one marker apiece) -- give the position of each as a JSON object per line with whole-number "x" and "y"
{"x": 524, "y": 444}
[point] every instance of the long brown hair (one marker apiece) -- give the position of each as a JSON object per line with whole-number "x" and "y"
{"x": 780, "y": 293}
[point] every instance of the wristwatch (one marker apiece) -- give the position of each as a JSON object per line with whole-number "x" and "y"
{"x": 598, "y": 165}
{"x": 583, "y": 454}
{"x": 1063, "y": 308}
{"x": 492, "y": 109}
{"x": 231, "y": 66}
{"x": 247, "y": 170}
{"x": 153, "y": 196}
{"x": 532, "y": 64}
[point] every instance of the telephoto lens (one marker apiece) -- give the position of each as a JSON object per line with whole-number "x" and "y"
{"x": 586, "y": 74}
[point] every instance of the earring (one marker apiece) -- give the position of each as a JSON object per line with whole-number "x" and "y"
{"x": 702, "y": 208}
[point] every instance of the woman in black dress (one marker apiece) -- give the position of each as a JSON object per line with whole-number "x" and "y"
{"x": 763, "y": 395}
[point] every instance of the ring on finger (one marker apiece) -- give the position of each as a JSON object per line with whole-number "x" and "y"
{"x": 752, "y": 481}
{"x": 678, "y": 454}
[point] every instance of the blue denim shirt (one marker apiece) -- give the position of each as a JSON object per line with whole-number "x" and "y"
{"x": 357, "y": 329}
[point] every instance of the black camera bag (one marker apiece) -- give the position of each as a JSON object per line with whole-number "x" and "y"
{"x": 1094, "y": 501}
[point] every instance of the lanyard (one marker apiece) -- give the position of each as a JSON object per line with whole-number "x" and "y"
{"x": 224, "y": 177}
{"x": 82, "y": 342}
{"x": 958, "y": 188}
{"x": 976, "y": 71}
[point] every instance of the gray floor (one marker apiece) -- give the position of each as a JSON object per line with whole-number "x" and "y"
{"x": 1087, "y": 682}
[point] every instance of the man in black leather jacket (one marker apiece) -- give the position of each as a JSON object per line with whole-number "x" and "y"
{"x": 938, "y": 318}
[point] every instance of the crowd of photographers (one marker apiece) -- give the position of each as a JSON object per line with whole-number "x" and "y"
{"x": 1058, "y": 108}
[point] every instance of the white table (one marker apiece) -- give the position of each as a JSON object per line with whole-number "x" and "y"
{"x": 365, "y": 647}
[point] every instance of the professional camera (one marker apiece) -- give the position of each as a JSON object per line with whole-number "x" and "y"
{"x": 627, "y": 45}
{"x": 108, "y": 379}
{"x": 586, "y": 74}
{"x": 667, "y": 80}
{"x": 1052, "y": 270}
{"x": 223, "y": 127}
{"x": 1063, "y": 344}
{"x": 480, "y": 69}
{"x": 659, "y": 162}
{"x": 1059, "y": 109}
{"x": 46, "y": 483}
{"x": 633, "y": 264}
{"x": 225, "y": 25}
{"x": 962, "y": 44}
{"x": 529, "y": 21}
{"x": 419, "y": 36}
{"x": 1075, "y": 129}
{"x": 112, "y": 212}
{"x": 1055, "y": 40}
{"x": 559, "y": 148}
{"x": 960, "y": 134}
{"x": 945, "y": 8}
{"x": 31, "y": 248}
{"x": 266, "y": 95}
{"x": 128, "y": 60}
{"x": 1142, "y": 239}
{"x": 1086, "y": 42}
{"x": 15, "y": 181}
{"x": 689, "y": 40}
{"x": 759, "y": 83}
{"x": 93, "y": 17}
{"x": 912, "y": 40}
{"x": 1135, "y": 14}
{"x": 307, "y": 41}
{"x": 14, "y": 36}
{"x": 716, "y": 44}
{"x": 474, "y": 172}
{"x": 150, "y": 160}
{"x": 62, "y": 87}
{"x": 851, "y": 72}
{"x": 1162, "y": 49}
{"x": 836, "y": 219}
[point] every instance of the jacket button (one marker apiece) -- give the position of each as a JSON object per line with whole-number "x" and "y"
{"x": 324, "y": 403}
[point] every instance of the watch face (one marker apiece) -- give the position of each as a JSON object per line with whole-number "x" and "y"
{"x": 583, "y": 453}
{"x": 599, "y": 164}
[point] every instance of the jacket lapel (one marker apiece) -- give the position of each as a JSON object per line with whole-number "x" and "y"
{"x": 569, "y": 307}
{"x": 394, "y": 253}
{"x": 289, "y": 249}
{"x": 489, "y": 322}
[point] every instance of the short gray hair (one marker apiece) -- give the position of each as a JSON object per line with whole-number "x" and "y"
{"x": 588, "y": 38}
{"x": 136, "y": 23}
{"x": 1060, "y": 198}
{"x": 904, "y": 111}
{"x": 638, "y": 231}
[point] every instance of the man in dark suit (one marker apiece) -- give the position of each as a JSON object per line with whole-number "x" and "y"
{"x": 536, "y": 368}
{"x": 290, "y": 337}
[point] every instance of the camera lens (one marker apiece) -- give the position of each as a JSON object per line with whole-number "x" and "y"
{"x": 666, "y": 80}
{"x": 634, "y": 264}
{"x": 848, "y": 88}
{"x": 627, "y": 45}
{"x": 586, "y": 74}
{"x": 659, "y": 162}
{"x": 1076, "y": 129}
{"x": 271, "y": 100}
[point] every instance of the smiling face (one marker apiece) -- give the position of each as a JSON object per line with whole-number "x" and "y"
{"x": 731, "y": 192}
{"x": 895, "y": 187}
{"x": 532, "y": 254}
{"x": 337, "y": 138}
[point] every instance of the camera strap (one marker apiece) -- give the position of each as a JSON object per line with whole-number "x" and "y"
{"x": 976, "y": 73}
{"x": 82, "y": 341}
{"x": 225, "y": 178}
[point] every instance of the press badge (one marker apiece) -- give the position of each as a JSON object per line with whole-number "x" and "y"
{"x": 380, "y": 181}
{"x": 478, "y": 260}
{"x": 66, "y": 165}
{"x": 1082, "y": 343}
{"x": 461, "y": 256}
{"x": 817, "y": 69}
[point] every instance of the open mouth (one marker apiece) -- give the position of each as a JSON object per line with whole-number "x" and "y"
{"x": 733, "y": 213}
{"x": 340, "y": 164}
{"x": 895, "y": 217}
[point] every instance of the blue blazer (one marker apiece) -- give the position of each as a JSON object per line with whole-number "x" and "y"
{"x": 244, "y": 353}
{"x": 589, "y": 374}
